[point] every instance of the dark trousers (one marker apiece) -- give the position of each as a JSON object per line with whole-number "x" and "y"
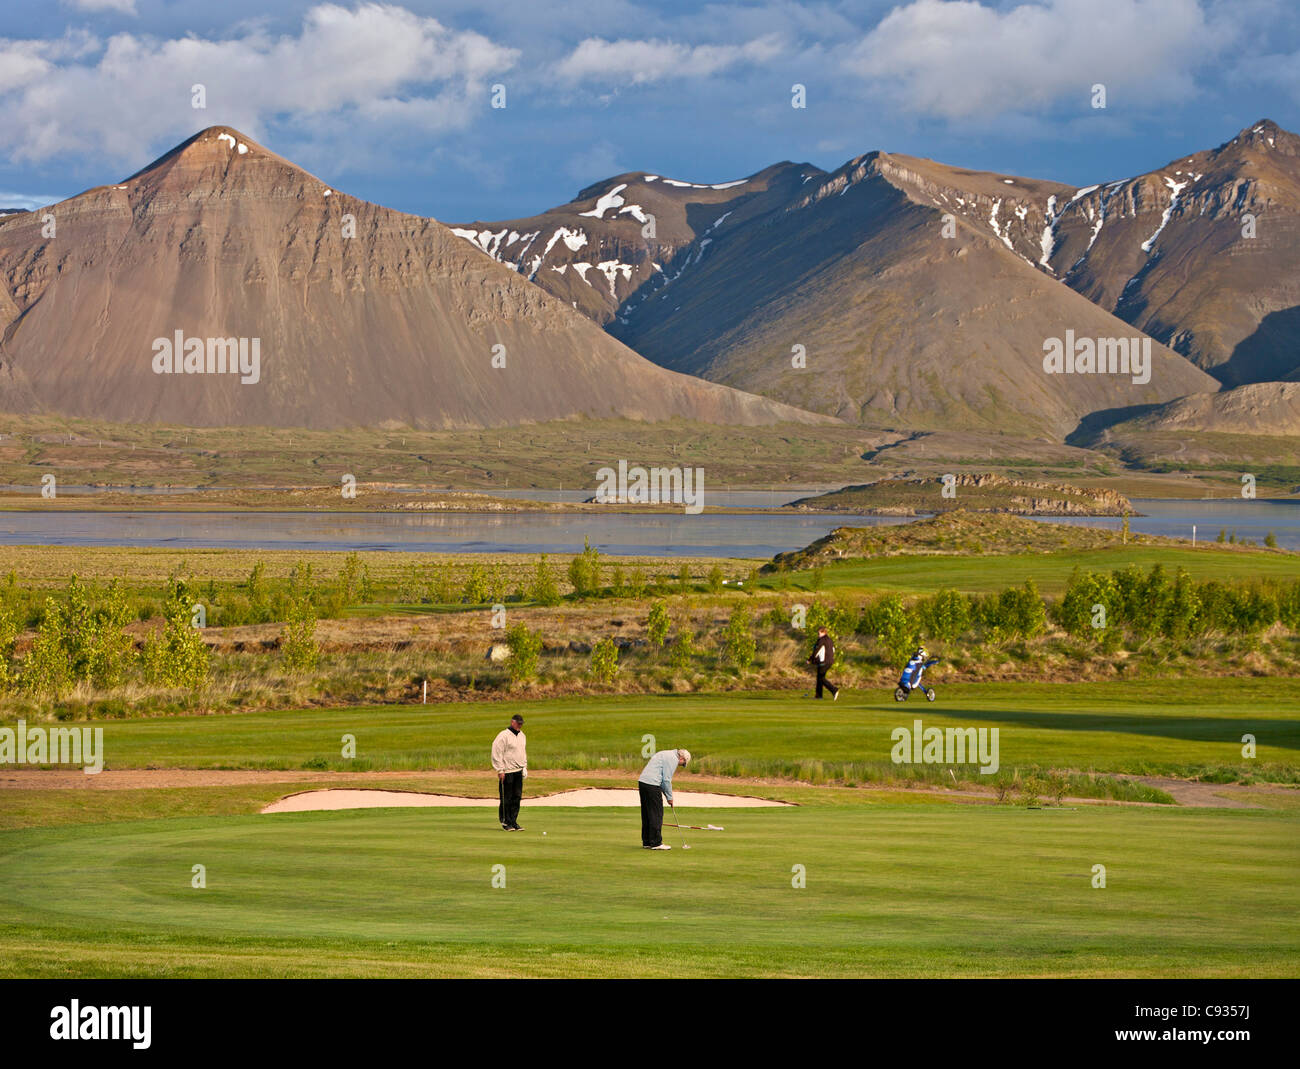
{"x": 652, "y": 814}
{"x": 822, "y": 681}
{"x": 511, "y": 792}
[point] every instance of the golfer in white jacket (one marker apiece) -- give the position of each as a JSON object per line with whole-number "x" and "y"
{"x": 656, "y": 784}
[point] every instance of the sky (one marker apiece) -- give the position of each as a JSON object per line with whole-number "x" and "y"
{"x": 394, "y": 102}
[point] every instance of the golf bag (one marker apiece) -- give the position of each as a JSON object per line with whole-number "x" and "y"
{"x": 911, "y": 679}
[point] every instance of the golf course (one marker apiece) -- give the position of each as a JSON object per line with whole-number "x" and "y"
{"x": 874, "y": 868}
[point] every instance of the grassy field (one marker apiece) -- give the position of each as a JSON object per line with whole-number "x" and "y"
{"x": 910, "y": 870}
{"x": 908, "y": 574}
{"x": 898, "y": 883}
{"x": 894, "y": 890}
{"x": 1173, "y": 727}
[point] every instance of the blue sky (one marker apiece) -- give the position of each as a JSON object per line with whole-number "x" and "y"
{"x": 392, "y": 102}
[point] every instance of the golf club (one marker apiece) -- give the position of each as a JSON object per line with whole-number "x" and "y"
{"x": 696, "y": 827}
{"x": 680, "y": 827}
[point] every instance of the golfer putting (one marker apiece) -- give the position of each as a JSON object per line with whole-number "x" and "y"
{"x": 655, "y": 784}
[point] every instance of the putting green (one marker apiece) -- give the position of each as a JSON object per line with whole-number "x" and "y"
{"x": 890, "y": 890}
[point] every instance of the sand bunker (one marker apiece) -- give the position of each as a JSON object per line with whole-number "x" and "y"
{"x": 309, "y": 801}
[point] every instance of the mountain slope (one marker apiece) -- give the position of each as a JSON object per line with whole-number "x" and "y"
{"x": 899, "y": 322}
{"x": 623, "y": 236}
{"x": 1170, "y": 252}
{"x": 394, "y": 325}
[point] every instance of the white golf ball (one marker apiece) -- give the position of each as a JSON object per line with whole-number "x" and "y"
{"x": 543, "y": 833}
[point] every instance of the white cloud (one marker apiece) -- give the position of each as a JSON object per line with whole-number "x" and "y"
{"x": 26, "y": 200}
{"x": 960, "y": 59}
{"x": 596, "y": 162}
{"x": 374, "y": 62}
{"x": 124, "y": 7}
{"x": 633, "y": 62}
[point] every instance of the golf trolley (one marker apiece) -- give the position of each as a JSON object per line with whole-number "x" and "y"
{"x": 901, "y": 692}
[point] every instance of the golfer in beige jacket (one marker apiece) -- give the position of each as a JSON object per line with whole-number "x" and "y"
{"x": 510, "y": 759}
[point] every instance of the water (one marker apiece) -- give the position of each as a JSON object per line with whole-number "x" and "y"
{"x": 619, "y": 533}
{"x": 724, "y": 499}
{"x": 1251, "y": 520}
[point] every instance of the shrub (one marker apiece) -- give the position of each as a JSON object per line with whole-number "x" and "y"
{"x": 945, "y": 616}
{"x": 177, "y": 656}
{"x": 894, "y": 628}
{"x": 298, "y": 649}
{"x": 525, "y": 650}
{"x": 475, "y": 589}
{"x": 657, "y": 624}
{"x": 738, "y": 646}
{"x": 584, "y": 571}
{"x": 638, "y": 586}
{"x": 45, "y": 668}
{"x": 604, "y": 660}
{"x": 544, "y": 590}
{"x": 682, "y": 651}
{"x": 715, "y": 579}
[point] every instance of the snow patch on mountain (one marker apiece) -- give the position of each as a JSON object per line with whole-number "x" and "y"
{"x": 1175, "y": 188}
{"x": 609, "y": 200}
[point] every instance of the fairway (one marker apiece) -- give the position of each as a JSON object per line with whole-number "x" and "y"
{"x": 1051, "y": 571}
{"x": 1150, "y": 727}
{"x": 890, "y": 890}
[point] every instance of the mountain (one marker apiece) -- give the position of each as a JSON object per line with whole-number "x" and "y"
{"x": 1173, "y": 253}
{"x": 1202, "y": 256}
{"x": 1261, "y": 408}
{"x": 901, "y": 281}
{"x": 620, "y": 236}
{"x": 359, "y": 315}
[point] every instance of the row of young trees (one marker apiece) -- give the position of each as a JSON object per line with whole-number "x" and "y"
{"x": 81, "y": 637}
{"x": 1107, "y": 608}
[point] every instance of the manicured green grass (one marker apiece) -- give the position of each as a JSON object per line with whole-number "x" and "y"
{"x": 1051, "y": 571}
{"x": 891, "y": 890}
{"x": 1161, "y": 727}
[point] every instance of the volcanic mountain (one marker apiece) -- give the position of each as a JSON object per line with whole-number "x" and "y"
{"x": 361, "y": 315}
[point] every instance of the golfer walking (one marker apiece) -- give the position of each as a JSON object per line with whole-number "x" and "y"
{"x": 656, "y": 784}
{"x": 510, "y": 759}
{"x": 823, "y": 656}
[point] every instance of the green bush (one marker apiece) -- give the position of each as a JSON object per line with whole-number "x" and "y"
{"x": 475, "y": 588}
{"x": 298, "y": 648}
{"x": 525, "y": 651}
{"x": 738, "y": 646}
{"x": 544, "y": 590}
{"x": 177, "y": 656}
{"x": 604, "y": 661}
{"x": 715, "y": 579}
{"x": 584, "y": 571}
{"x": 945, "y": 616}
{"x": 682, "y": 651}
{"x": 658, "y": 623}
{"x": 896, "y": 629}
